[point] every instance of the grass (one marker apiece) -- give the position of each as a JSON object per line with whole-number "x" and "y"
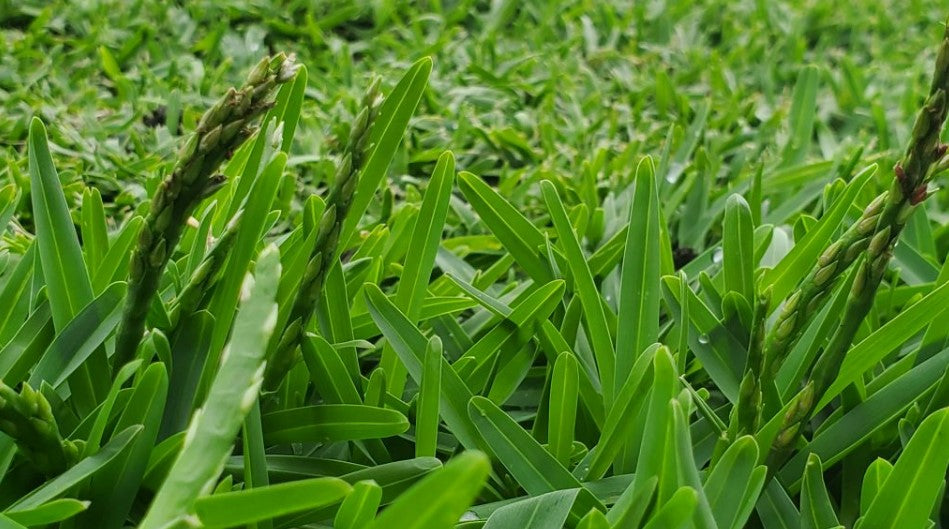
{"x": 473, "y": 264}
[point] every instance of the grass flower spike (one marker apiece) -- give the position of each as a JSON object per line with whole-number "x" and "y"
{"x": 221, "y": 130}
{"x": 325, "y": 247}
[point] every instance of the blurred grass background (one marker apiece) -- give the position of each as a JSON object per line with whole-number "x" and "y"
{"x": 573, "y": 91}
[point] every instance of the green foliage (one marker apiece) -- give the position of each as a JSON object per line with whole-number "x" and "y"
{"x": 526, "y": 265}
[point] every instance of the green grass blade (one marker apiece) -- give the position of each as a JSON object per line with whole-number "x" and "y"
{"x": 585, "y": 288}
{"x": 113, "y": 490}
{"x": 865, "y": 354}
{"x": 332, "y": 422}
{"x": 795, "y": 265}
{"x": 817, "y": 512}
{"x": 242, "y": 507}
{"x": 733, "y": 485}
{"x": 418, "y": 264}
{"x": 656, "y": 447}
{"x": 911, "y": 490}
{"x": 10, "y": 199}
{"x": 873, "y": 481}
{"x": 79, "y": 338}
{"x": 327, "y": 371}
{"x": 533, "y": 467}
{"x": 675, "y": 513}
{"x": 67, "y": 279}
{"x": 359, "y": 507}
{"x": 438, "y": 501}
{"x": 546, "y": 511}
{"x": 14, "y": 297}
{"x": 95, "y": 237}
{"x": 407, "y": 341}
{"x": 212, "y": 430}
{"x": 619, "y": 427}
{"x": 82, "y": 470}
{"x": 563, "y": 407}
{"x": 49, "y": 513}
{"x": 639, "y": 283}
{"x": 802, "y": 118}
{"x": 227, "y": 293}
{"x": 386, "y": 135}
{"x": 426, "y": 422}
{"x": 517, "y": 234}
{"x": 738, "y": 262}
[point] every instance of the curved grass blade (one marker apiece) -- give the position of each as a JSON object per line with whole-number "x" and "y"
{"x": 418, "y": 264}
{"x": 563, "y": 407}
{"x": 912, "y": 488}
{"x": 533, "y": 467}
{"x": 585, "y": 288}
{"x": 212, "y": 430}
{"x": 439, "y": 500}
{"x": 332, "y": 422}
{"x": 639, "y": 281}
{"x": 409, "y": 343}
{"x": 80, "y": 338}
{"x": 243, "y": 507}
{"x": 631, "y": 507}
{"x": 386, "y": 135}
{"x": 359, "y": 507}
{"x": 517, "y": 234}
{"x": 734, "y": 484}
{"x": 49, "y": 513}
{"x": 80, "y": 471}
{"x": 327, "y": 371}
{"x": 67, "y": 280}
{"x": 677, "y": 512}
{"x": 426, "y": 422}
{"x": 547, "y": 511}
{"x": 816, "y": 510}
{"x": 873, "y": 480}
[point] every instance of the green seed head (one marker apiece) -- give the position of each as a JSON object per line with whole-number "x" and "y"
{"x": 188, "y": 148}
{"x": 825, "y": 274}
{"x": 162, "y": 219}
{"x": 875, "y": 206}
{"x": 791, "y": 304}
{"x": 866, "y": 225}
{"x": 260, "y": 72}
{"x": 879, "y": 242}
{"x": 210, "y": 141}
{"x": 859, "y": 281}
{"x": 786, "y": 326}
{"x": 830, "y": 253}
{"x": 327, "y": 221}
{"x": 158, "y": 254}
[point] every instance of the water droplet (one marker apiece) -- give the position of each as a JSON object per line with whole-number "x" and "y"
{"x": 717, "y": 255}
{"x": 703, "y": 338}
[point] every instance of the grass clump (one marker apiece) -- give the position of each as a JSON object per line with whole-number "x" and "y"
{"x": 503, "y": 265}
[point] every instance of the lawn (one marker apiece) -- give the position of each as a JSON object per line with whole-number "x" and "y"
{"x": 462, "y": 264}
